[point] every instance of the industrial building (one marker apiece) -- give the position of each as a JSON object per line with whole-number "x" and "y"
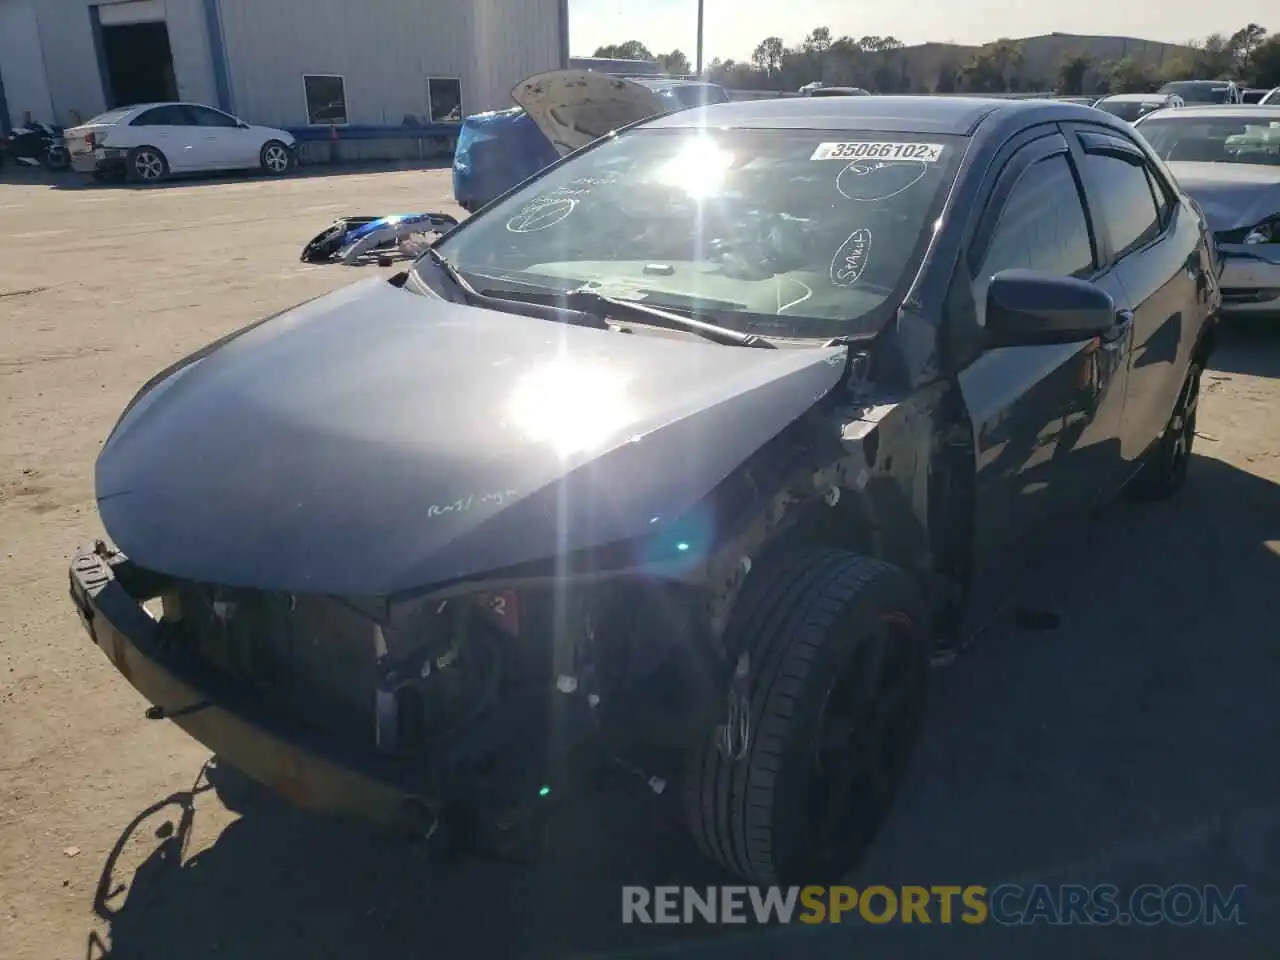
{"x": 318, "y": 64}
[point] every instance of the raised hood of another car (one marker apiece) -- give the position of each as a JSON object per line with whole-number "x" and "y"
{"x": 374, "y": 441}
{"x": 574, "y": 107}
{"x": 1232, "y": 195}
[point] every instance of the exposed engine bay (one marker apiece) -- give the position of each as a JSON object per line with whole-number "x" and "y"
{"x": 496, "y": 698}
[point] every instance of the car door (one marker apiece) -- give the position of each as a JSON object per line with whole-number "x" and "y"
{"x": 225, "y": 143}
{"x": 169, "y": 129}
{"x": 1154, "y": 244}
{"x": 1046, "y": 419}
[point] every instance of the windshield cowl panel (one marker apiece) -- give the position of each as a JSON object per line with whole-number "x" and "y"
{"x": 781, "y": 233}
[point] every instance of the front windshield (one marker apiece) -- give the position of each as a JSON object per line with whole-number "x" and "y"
{"x": 1235, "y": 139}
{"x": 792, "y": 233}
{"x": 1192, "y": 92}
{"x": 1129, "y": 110}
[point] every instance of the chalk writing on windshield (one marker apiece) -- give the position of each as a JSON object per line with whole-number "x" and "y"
{"x": 541, "y": 214}
{"x": 851, "y": 259}
{"x": 497, "y": 498}
{"x": 873, "y": 180}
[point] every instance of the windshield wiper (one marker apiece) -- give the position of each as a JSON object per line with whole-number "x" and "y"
{"x": 553, "y": 312}
{"x": 601, "y": 305}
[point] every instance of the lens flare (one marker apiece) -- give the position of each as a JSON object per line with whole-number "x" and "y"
{"x": 571, "y": 406}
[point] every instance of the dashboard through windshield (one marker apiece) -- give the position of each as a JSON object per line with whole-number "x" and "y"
{"x": 793, "y": 233}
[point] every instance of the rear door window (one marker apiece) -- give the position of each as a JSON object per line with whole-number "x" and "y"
{"x": 169, "y": 115}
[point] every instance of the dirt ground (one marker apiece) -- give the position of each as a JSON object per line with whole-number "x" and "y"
{"x": 1138, "y": 743}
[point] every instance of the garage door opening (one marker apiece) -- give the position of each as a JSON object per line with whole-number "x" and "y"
{"x": 139, "y": 63}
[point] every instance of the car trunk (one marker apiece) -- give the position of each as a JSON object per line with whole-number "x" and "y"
{"x": 574, "y": 107}
{"x": 86, "y": 137}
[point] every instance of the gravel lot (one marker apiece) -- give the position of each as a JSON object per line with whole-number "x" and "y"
{"x": 1137, "y": 743}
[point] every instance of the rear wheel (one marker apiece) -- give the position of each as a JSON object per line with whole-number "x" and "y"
{"x": 146, "y": 165}
{"x": 276, "y": 158}
{"x": 838, "y": 653}
{"x": 1165, "y": 472}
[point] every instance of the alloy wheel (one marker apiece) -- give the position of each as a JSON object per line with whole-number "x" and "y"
{"x": 1182, "y": 426}
{"x": 148, "y": 165}
{"x": 863, "y": 742}
{"x": 276, "y": 159}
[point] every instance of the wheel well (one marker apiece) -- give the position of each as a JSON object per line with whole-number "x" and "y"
{"x": 1208, "y": 343}
{"x": 845, "y": 526}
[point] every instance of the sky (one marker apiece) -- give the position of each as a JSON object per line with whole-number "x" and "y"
{"x": 734, "y": 27}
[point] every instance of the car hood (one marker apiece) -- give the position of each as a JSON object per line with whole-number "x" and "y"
{"x": 375, "y": 441}
{"x": 574, "y": 107}
{"x": 1232, "y": 195}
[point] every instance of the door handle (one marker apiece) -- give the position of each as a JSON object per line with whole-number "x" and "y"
{"x": 1124, "y": 320}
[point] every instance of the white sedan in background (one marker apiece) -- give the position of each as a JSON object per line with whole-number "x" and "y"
{"x": 147, "y": 142}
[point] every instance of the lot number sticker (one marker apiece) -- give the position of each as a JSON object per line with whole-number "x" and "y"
{"x": 870, "y": 150}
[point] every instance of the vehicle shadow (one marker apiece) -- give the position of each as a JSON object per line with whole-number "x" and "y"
{"x": 1134, "y": 744}
{"x": 1249, "y": 346}
{"x": 69, "y": 180}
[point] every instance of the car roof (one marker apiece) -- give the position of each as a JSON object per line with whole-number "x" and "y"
{"x": 1220, "y": 110}
{"x": 1136, "y": 97}
{"x": 1201, "y": 83}
{"x": 959, "y": 116}
{"x": 668, "y": 83}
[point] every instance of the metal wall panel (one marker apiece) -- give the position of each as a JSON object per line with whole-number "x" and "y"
{"x": 71, "y": 60}
{"x": 22, "y": 69}
{"x": 386, "y": 50}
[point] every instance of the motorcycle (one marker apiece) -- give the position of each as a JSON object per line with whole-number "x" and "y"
{"x": 348, "y": 239}
{"x": 36, "y": 145}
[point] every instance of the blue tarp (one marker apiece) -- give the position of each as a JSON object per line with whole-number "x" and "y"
{"x": 496, "y": 151}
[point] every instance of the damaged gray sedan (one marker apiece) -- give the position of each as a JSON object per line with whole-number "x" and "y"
{"x": 1228, "y": 160}
{"x": 684, "y": 459}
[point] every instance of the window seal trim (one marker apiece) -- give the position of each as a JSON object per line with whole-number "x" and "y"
{"x": 306, "y": 104}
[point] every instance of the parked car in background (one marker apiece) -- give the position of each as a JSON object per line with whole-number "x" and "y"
{"x": 1203, "y": 91}
{"x": 1253, "y": 95}
{"x": 1130, "y": 106}
{"x": 1271, "y": 98}
{"x": 685, "y": 458}
{"x": 1228, "y": 160}
{"x": 835, "y": 92}
{"x": 497, "y": 150}
{"x": 148, "y": 142}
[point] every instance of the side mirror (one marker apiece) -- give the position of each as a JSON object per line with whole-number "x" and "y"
{"x": 243, "y": 125}
{"x": 1028, "y": 308}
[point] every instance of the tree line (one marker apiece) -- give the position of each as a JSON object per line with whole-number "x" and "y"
{"x": 1249, "y": 56}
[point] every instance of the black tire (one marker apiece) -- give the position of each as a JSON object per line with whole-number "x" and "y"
{"x": 808, "y": 620}
{"x": 146, "y": 164}
{"x": 1165, "y": 472}
{"x": 57, "y": 159}
{"x": 276, "y": 159}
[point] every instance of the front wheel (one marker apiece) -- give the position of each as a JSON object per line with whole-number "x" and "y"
{"x": 1165, "y": 471}
{"x": 276, "y": 158}
{"x": 794, "y": 787}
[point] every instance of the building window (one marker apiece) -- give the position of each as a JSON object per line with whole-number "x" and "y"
{"x": 326, "y": 99}
{"x": 445, "y": 96}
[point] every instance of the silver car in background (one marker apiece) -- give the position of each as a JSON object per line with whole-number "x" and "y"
{"x": 1130, "y": 106}
{"x": 1228, "y": 159}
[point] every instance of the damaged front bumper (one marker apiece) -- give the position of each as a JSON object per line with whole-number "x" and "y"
{"x": 298, "y": 765}
{"x": 1250, "y": 278}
